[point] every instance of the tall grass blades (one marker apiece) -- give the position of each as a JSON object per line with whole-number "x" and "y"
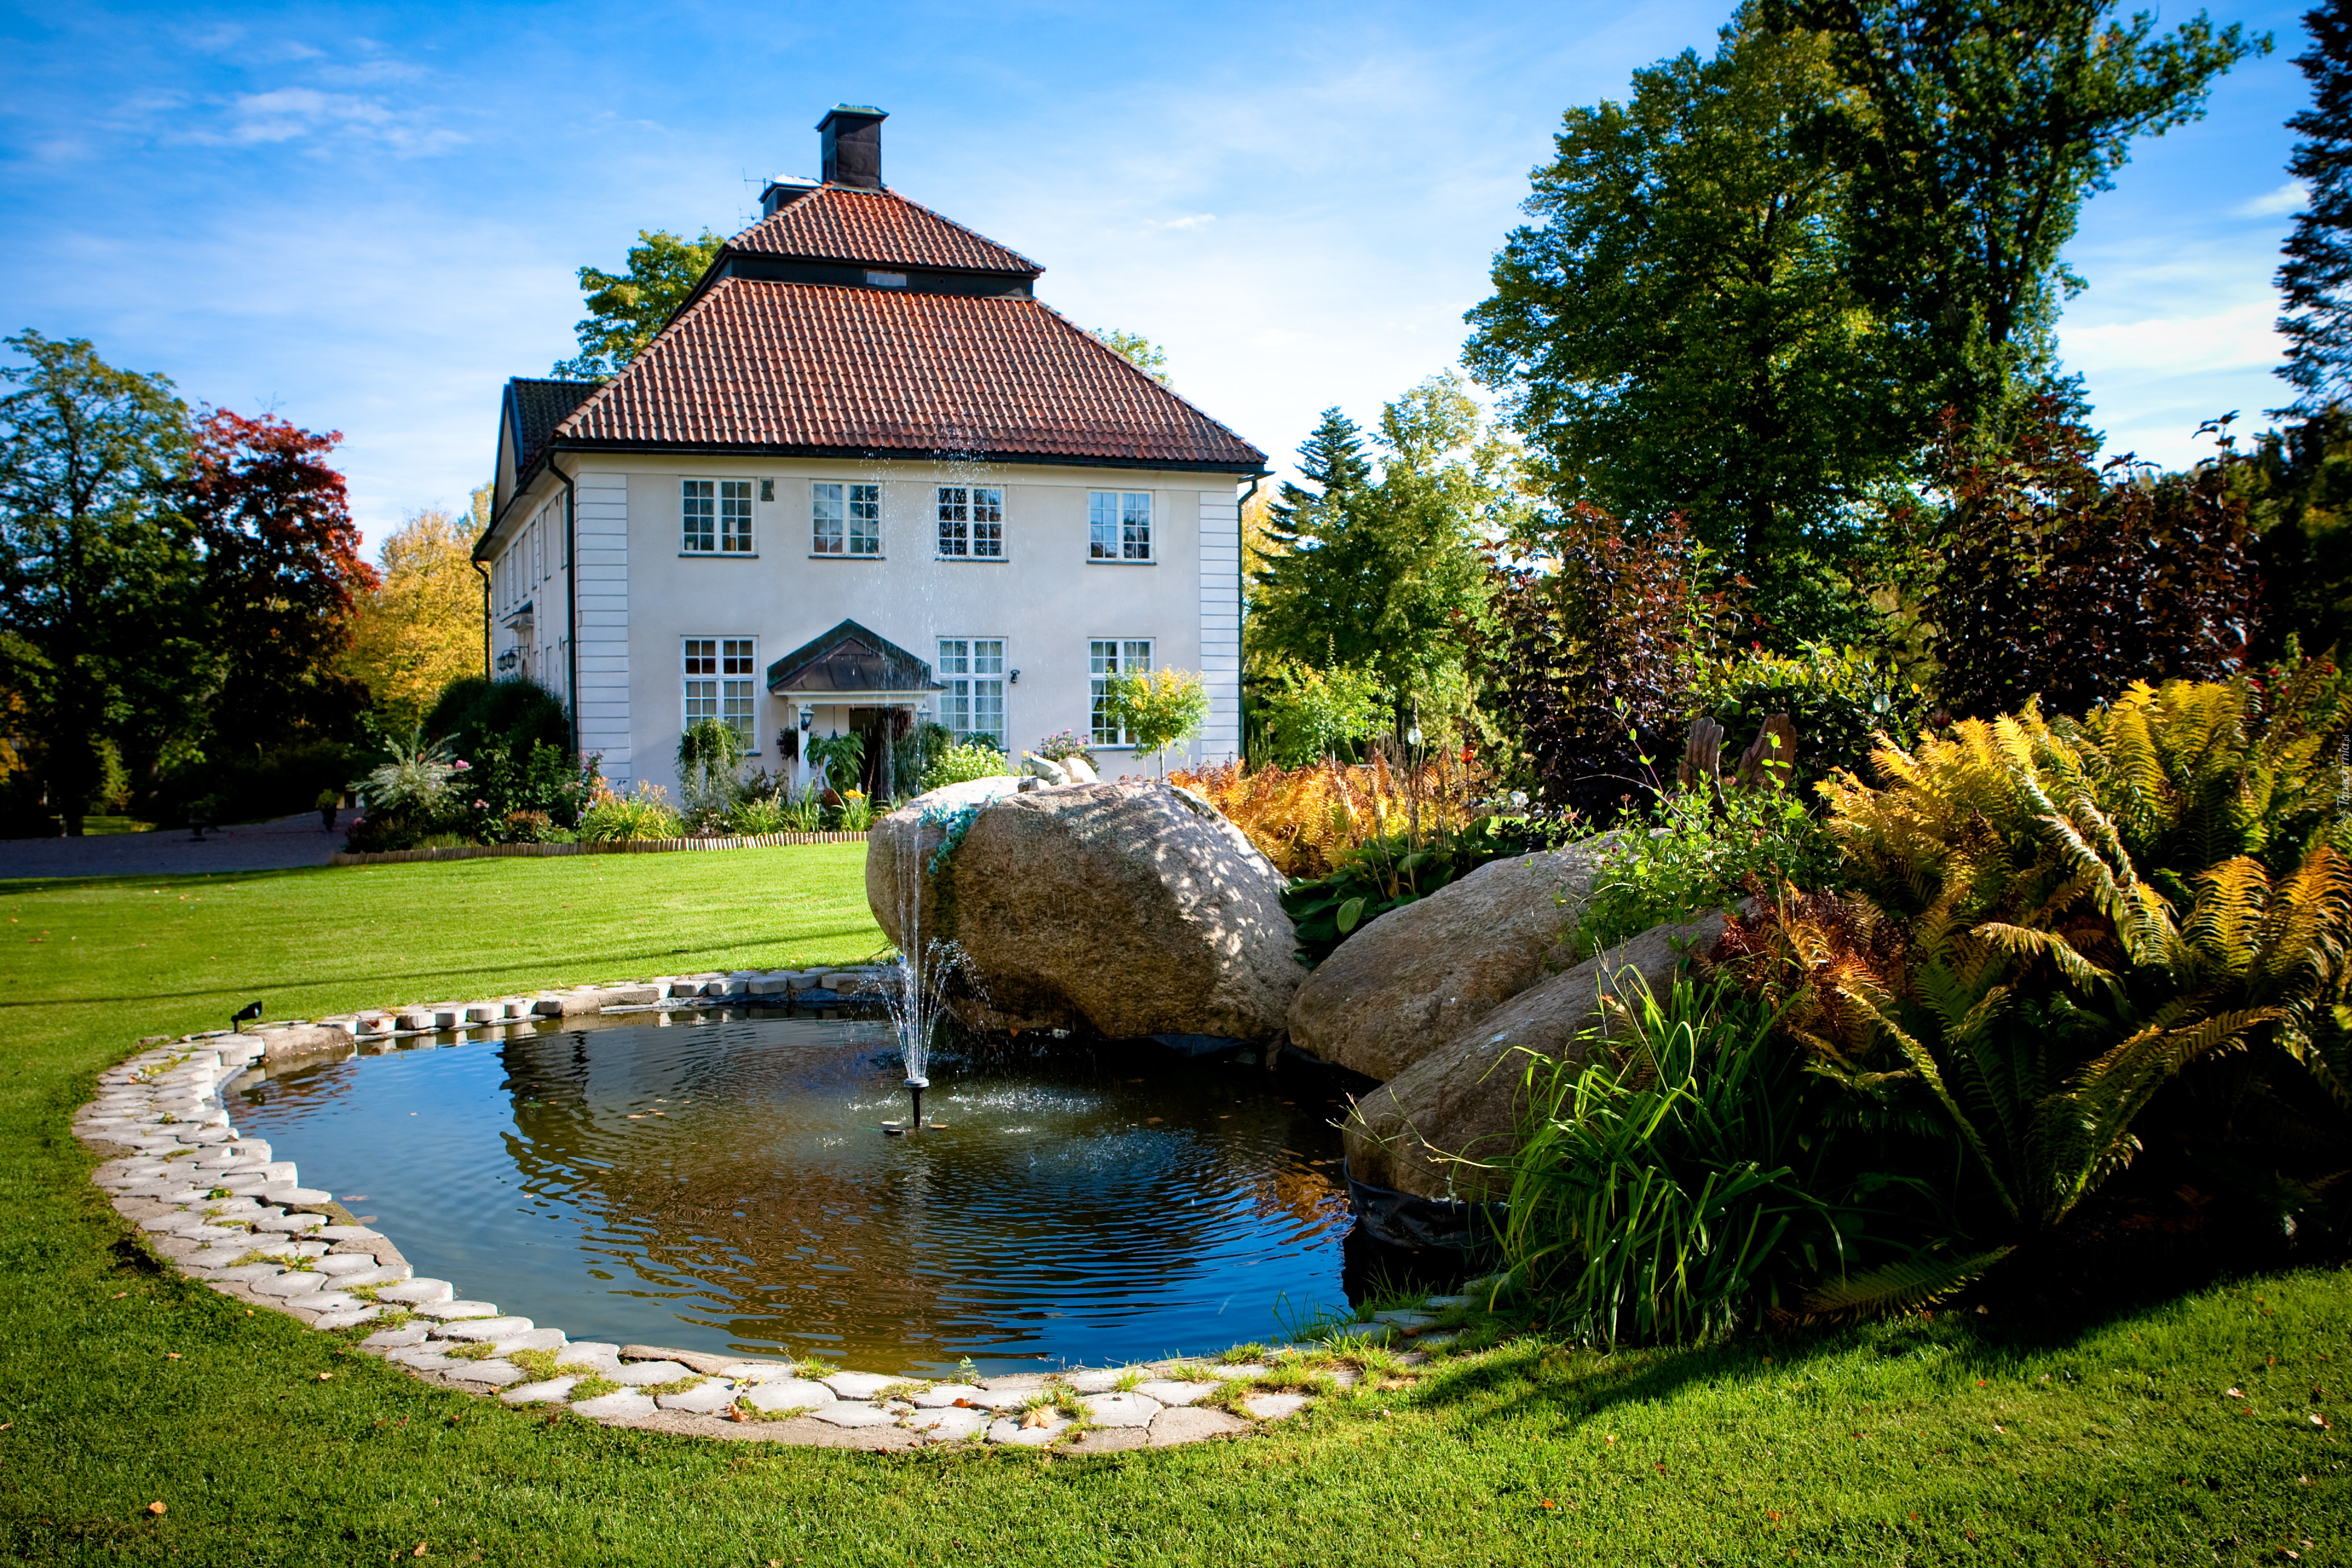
{"x": 1667, "y": 1194}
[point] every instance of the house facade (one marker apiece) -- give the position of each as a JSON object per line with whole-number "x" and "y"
{"x": 863, "y": 478}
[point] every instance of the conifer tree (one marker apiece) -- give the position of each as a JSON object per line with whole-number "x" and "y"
{"x": 1332, "y": 460}
{"x": 2316, "y": 278}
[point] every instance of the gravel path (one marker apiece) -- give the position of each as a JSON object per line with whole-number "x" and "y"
{"x": 252, "y": 846}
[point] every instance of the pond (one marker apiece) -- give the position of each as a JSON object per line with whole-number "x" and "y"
{"x": 722, "y": 1182}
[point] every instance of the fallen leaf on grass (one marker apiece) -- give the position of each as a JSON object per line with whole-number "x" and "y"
{"x": 118, "y": 1295}
{"x": 1036, "y": 1418}
{"x": 156, "y": 1508}
{"x": 420, "y": 1550}
{"x": 171, "y": 1355}
{"x": 2235, "y": 1392}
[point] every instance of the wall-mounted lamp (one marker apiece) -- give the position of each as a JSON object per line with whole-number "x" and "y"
{"x": 808, "y": 718}
{"x": 1016, "y": 678}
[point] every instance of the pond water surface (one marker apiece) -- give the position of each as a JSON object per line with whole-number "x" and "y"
{"x": 722, "y": 1182}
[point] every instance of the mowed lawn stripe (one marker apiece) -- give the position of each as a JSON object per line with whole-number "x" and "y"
{"x": 1873, "y": 1445}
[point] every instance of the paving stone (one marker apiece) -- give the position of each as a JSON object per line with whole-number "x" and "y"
{"x": 1008, "y": 1429}
{"x": 949, "y": 1424}
{"x": 416, "y": 1293}
{"x": 164, "y": 1224}
{"x": 294, "y": 1194}
{"x": 395, "y": 1339}
{"x": 788, "y": 1393}
{"x": 288, "y": 1223}
{"x": 755, "y": 1371}
{"x": 329, "y": 1302}
{"x": 708, "y": 1400}
{"x": 293, "y": 1283}
{"x": 449, "y": 1311}
{"x": 589, "y": 1353}
{"x": 483, "y": 1328}
{"x": 339, "y": 1264}
{"x": 536, "y": 1340}
{"x": 940, "y": 1396}
{"x": 423, "y": 1358}
{"x": 1107, "y": 1440}
{"x": 555, "y": 1391}
{"x": 1348, "y": 1333}
{"x": 246, "y": 1275}
{"x": 637, "y": 1373}
{"x": 497, "y": 1374}
{"x": 1405, "y": 1320}
{"x": 1246, "y": 1369}
{"x": 212, "y": 1234}
{"x": 347, "y": 1233}
{"x": 1170, "y": 1427}
{"x": 853, "y": 1412}
{"x": 1096, "y": 1380}
{"x": 1119, "y": 1409}
{"x": 857, "y": 1384}
{"x": 1275, "y": 1407}
{"x": 1170, "y": 1391}
{"x": 625, "y": 1404}
{"x": 1005, "y": 1398}
{"x": 693, "y": 1361}
{"x": 349, "y": 1317}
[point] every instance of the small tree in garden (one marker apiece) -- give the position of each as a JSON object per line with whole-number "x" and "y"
{"x": 2067, "y": 580}
{"x": 708, "y": 756}
{"x": 1591, "y": 636}
{"x": 1160, "y": 709}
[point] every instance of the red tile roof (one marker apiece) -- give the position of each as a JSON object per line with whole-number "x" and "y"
{"x": 850, "y": 371}
{"x": 834, "y": 223}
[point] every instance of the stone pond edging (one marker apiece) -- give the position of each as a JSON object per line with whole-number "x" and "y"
{"x": 218, "y": 1207}
{"x": 614, "y": 847}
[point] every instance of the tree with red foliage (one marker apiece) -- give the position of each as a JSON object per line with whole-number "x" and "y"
{"x": 2067, "y": 579}
{"x": 283, "y": 574}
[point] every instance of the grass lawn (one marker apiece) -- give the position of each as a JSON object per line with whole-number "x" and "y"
{"x": 1955, "y": 1438}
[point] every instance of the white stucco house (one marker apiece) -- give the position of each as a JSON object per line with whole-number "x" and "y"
{"x": 863, "y": 477}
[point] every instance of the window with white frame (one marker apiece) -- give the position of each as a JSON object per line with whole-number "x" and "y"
{"x": 1108, "y": 656}
{"x": 716, "y": 515}
{"x": 735, "y": 517}
{"x": 719, "y": 684}
{"x": 972, "y": 670}
{"x": 972, "y": 522}
{"x": 846, "y": 518}
{"x": 1118, "y": 525}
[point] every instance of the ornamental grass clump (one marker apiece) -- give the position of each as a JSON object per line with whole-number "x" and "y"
{"x": 644, "y": 813}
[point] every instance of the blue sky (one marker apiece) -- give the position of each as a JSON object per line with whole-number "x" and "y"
{"x": 366, "y": 219}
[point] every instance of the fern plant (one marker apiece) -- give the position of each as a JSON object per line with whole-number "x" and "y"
{"x": 2086, "y": 909}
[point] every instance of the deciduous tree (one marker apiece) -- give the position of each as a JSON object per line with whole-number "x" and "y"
{"x": 282, "y": 575}
{"x": 101, "y": 627}
{"x": 421, "y": 626}
{"x": 1678, "y": 333}
{"x": 626, "y": 309}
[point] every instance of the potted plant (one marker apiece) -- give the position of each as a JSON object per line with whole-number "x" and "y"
{"x": 330, "y": 801}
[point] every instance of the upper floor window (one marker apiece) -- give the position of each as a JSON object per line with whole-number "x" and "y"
{"x": 1118, "y": 525}
{"x": 719, "y": 684}
{"x": 846, "y": 518}
{"x": 972, "y": 521}
{"x": 717, "y": 516}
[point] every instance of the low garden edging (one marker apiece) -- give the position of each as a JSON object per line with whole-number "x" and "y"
{"x": 218, "y": 1207}
{"x": 609, "y": 846}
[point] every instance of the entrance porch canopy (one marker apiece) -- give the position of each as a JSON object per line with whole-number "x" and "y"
{"x": 851, "y": 665}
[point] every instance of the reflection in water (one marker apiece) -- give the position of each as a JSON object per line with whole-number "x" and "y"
{"x": 726, "y": 1184}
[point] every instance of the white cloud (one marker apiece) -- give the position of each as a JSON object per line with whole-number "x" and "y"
{"x": 2240, "y": 338}
{"x": 1191, "y": 220}
{"x": 2289, "y": 197}
{"x": 298, "y": 113}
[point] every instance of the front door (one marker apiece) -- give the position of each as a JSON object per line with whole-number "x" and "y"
{"x": 880, "y": 729}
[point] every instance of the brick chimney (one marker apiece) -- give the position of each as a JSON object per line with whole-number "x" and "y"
{"x": 853, "y": 146}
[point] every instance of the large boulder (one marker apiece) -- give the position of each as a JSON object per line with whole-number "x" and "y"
{"x": 1446, "y": 1126}
{"x": 1119, "y": 910}
{"x": 1419, "y": 976}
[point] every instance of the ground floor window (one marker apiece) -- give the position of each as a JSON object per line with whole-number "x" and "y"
{"x": 719, "y": 684}
{"x": 1106, "y": 656}
{"x": 972, "y": 670}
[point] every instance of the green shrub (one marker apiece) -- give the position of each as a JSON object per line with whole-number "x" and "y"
{"x": 644, "y": 813}
{"x": 1839, "y": 702}
{"x": 1679, "y": 1186}
{"x": 1690, "y": 854}
{"x": 708, "y": 755}
{"x": 478, "y": 716}
{"x": 1385, "y": 874}
{"x": 1309, "y": 714}
{"x": 758, "y": 815}
{"x": 962, "y": 764}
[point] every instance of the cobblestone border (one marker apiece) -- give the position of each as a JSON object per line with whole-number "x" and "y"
{"x": 219, "y": 1208}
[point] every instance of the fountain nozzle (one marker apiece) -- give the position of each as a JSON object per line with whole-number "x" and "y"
{"x": 915, "y": 1087}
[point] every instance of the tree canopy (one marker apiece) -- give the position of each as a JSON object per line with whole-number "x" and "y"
{"x": 421, "y": 627}
{"x": 1137, "y": 350}
{"x": 1680, "y": 333}
{"x": 625, "y": 310}
{"x": 2316, "y": 278}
